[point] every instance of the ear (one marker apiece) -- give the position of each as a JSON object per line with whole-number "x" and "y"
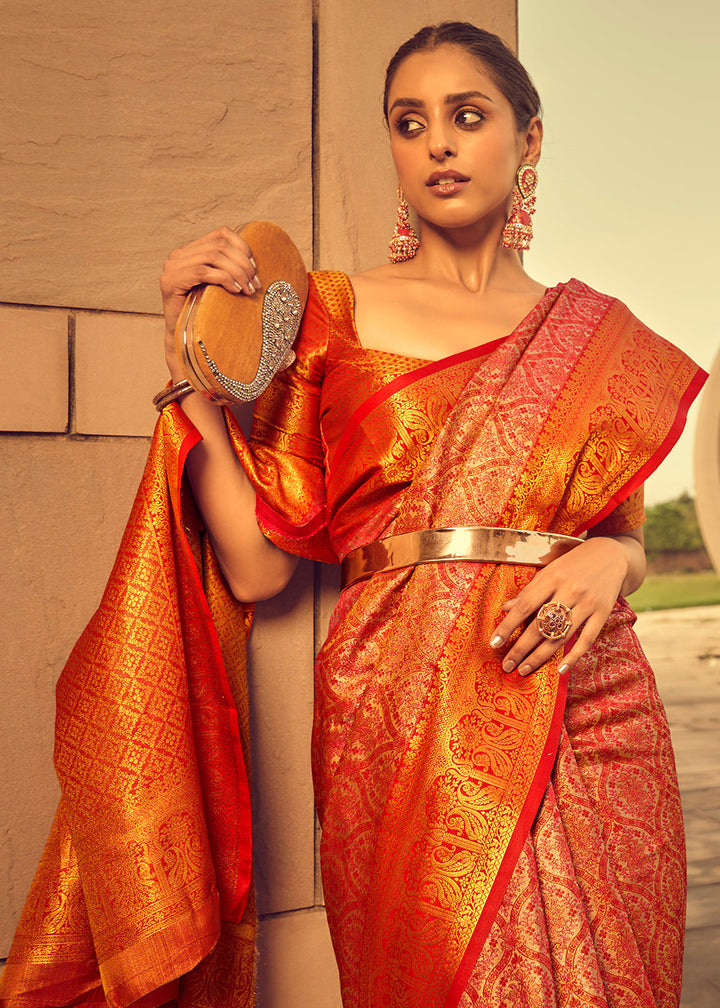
{"x": 533, "y": 142}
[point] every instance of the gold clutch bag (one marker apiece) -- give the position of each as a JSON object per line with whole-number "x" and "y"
{"x": 232, "y": 345}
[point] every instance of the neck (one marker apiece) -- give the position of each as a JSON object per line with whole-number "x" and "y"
{"x": 475, "y": 261}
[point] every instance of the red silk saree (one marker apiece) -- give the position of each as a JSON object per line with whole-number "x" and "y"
{"x": 486, "y": 839}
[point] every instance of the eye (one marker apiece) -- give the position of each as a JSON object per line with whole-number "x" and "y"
{"x": 469, "y": 117}
{"x": 409, "y": 125}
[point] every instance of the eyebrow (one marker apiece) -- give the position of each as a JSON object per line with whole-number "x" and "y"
{"x": 452, "y": 99}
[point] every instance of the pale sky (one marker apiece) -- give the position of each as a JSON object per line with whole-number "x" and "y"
{"x": 629, "y": 191}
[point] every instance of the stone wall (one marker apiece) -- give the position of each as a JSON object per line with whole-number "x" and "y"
{"x": 128, "y": 131}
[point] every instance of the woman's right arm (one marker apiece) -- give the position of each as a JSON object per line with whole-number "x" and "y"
{"x": 253, "y": 567}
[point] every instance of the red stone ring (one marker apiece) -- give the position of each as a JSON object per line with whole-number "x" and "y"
{"x": 554, "y": 620}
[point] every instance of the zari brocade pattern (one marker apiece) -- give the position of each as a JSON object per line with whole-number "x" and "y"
{"x": 431, "y": 765}
{"x": 487, "y": 839}
{"x": 146, "y": 877}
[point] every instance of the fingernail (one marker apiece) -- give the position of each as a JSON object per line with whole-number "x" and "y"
{"x": 256, "y": 282}
{"x": 254, "y": 264}
{"x": 496, "y": 641}
{"x": 563, "y": 668}
{"x": 508, "y": 666}
{"x": 249, "y": 289}
{"x": 525, "y": 670}
{"x": 238, "y": 285}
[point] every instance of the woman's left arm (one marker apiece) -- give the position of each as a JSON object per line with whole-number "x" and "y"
{"x": 588, "y": 581}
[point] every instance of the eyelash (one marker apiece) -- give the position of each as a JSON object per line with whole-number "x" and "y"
{"x": 403, "y": 125}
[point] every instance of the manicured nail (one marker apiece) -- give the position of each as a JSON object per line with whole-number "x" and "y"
{"x": 563, "y": 668}
{"x": 238, "y": 285}
{"x": 254, "y": 264}
{"x": 508, "y": 666}
{"x": 249, "y": 289}
{"x": 496, "y": 641}
{"x": 525, "y": 670}
{"x": 256, "y": 282}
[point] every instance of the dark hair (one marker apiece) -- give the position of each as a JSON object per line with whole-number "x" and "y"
{"x": 506, "y": 70}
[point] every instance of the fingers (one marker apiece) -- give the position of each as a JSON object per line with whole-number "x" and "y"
{"x": 530, "y": 649}
{"x": 587, "y": 580}
{"x": 221, "y": 257}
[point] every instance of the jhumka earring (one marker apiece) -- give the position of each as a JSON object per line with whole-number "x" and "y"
{"x": 518, "y": 231}
{"x": 404, "y": 242}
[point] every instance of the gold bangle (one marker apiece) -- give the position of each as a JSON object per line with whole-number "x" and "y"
{"x": 171, "y": 394}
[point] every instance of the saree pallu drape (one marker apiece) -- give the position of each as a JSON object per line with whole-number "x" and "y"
{"x": 459, "y": 867}
{"x": 146, "y": 877}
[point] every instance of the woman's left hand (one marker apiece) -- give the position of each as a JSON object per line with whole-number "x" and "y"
{"x": 588, "y": 581}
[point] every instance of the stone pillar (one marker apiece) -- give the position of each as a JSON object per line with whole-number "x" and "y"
{"x": 707, "y": 465}
{"x": 128, "y": 132}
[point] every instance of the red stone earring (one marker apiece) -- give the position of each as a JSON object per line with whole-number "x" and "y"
{"x": 518, "y": 231}
{"x": 404, "y": 242}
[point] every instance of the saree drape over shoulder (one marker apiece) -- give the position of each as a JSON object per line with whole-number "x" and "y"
{"x": 487, "y": 839}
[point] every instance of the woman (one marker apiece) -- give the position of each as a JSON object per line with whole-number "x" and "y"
{"x": 415, "y": 850}
{"x": 501, "y": 822}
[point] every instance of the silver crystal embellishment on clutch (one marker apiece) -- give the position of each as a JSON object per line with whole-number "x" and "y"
{"x": 281, "y": 317}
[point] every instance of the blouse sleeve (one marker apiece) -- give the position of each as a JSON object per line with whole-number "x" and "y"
{"x": 284, "y": 455}
{"x": 628, "y": 515}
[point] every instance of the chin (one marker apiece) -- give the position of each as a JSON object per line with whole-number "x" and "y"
{"x": 461, "y": 219}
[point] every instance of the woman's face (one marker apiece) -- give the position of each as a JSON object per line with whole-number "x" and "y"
{"x": 454, "y": 140}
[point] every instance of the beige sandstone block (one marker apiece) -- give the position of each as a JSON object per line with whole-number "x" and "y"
{"x": 62, "y": 517}
{"x": 119, "y": 366}
{"x": 34, "y": 353}
{"x": 296, "y": 964}
{"x": 132, "y": 129}
{"x": 281, "y": 699}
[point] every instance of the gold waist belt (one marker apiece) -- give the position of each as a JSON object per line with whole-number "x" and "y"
{"x": 472, "y": 542}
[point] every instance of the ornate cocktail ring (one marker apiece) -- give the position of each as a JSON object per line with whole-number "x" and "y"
{"x": 554, "y": 620}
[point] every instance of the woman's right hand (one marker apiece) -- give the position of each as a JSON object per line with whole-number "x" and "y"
{"x": 254, "y": 568}
{"x": 221, "y": 257}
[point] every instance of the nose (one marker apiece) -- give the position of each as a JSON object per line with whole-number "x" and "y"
{"x": 440, "y": 146}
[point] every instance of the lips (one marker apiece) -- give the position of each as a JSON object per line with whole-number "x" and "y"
{"x": 447, "y": 177}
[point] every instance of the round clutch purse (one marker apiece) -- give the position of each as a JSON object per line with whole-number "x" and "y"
{"x": 232, "y": 345}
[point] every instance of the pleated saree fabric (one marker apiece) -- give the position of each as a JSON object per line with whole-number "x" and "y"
{"x": 487, "y": 839}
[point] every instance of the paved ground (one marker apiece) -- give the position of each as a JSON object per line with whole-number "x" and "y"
{"x": 683, "y": 646}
